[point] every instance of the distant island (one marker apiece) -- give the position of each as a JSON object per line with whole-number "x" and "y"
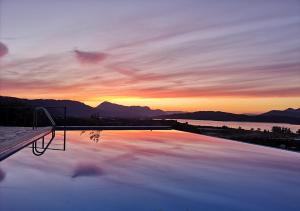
{"x": 110, "y": 110}
{"x": 290, "y": 115}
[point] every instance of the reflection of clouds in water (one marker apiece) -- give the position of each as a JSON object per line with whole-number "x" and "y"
{"x": 87, "y": 169}
{"x": 172, "y": 168}
{"x": 2, "y": 175}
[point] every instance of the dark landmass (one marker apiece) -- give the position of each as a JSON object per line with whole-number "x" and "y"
{"x": 107, "y": 109}
{"x": 290, "y": 112}
{"x": 291, "y": 116}
{"x": 279, "y": 137}
{"x": 81, "y": 110}
{"x": 74, "y": 108}
{"x": 110, "y": 110}
{"x": 22, "y": 116}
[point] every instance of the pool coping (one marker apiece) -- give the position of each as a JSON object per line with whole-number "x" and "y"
{"x": 60, "y": 128}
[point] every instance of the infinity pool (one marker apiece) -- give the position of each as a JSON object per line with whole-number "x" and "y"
{"x": 151, "y": 171}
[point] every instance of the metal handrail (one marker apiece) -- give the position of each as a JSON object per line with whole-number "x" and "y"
{"x": 34, "y": 125}
{"x": 35, "y": 150}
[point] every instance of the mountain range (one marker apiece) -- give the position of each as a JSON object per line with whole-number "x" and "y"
{"x": 289, "y": 115}
{"x": 78, "y": 109}
{"x": 111, "y": 110}
{"x": 290, "y": 112}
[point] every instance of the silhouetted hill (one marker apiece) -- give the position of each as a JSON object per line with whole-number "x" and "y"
{"x": 78, "y": 109}
{"x": 107, "y": 109}
{"x": 290, "y": 112}
{"x": 208, "y": 115}
{"x": 74, "y": 108}
{"x": 284, "y": 117}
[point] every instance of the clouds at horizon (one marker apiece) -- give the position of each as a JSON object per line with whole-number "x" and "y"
{"x": 157, "y": 50}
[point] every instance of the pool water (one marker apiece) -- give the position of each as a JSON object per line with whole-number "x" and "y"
{"x": 151, "y": 171}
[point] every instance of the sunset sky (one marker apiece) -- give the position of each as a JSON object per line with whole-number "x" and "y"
{"x": 238, "y": 56}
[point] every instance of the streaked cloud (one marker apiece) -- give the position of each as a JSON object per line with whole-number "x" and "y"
{"x": 86, "y": 57}
{"x": 199, "y": 49}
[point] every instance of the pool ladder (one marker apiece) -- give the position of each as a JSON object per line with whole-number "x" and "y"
{"x": 38, "y": 151}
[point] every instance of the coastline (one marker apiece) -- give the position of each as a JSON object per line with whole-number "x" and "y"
{"x": 265, "y": 138}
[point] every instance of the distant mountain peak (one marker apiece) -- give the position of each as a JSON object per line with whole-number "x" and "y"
{"x": 105, "y": 103}
{"x": 292, "y": 109}
{"x": 108, "y": 109}
{"x": 290, "y": 112}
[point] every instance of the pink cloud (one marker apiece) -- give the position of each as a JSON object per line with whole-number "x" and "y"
{"x": 3, "y": 50}
{"x": 85, "y": 57}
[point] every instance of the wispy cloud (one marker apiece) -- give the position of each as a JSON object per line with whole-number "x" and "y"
{"x": 207, "y": 49}
{"x": 44, "y": 75}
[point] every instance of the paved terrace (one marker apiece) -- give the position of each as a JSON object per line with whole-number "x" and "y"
{"x": 13, "y": 139}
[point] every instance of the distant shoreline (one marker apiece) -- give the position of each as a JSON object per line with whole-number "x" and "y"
{"x": 287, "y": 141}
{"x": 254, "y": 121}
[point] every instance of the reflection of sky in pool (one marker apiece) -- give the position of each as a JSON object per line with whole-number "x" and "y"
{"x": 158, "y": 170}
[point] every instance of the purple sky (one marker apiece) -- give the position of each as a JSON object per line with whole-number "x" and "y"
{"x": 157, "y": 51}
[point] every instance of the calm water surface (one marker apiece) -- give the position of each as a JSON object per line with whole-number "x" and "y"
{"x": 244, "y": 125}
{"x": 151, "y": 171}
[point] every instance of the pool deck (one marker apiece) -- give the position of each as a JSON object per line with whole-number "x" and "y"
{"x": 13, "y": 139}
